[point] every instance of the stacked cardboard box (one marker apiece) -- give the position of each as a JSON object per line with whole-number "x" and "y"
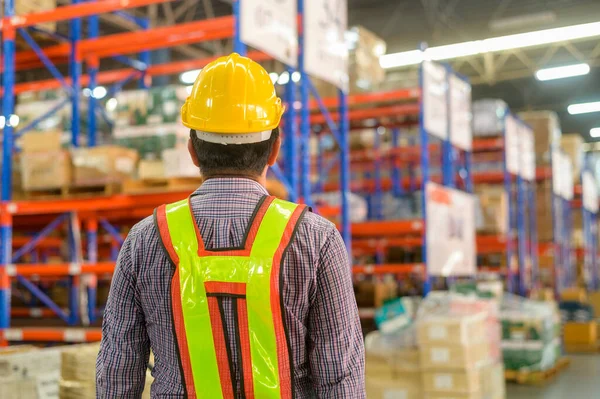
{"x": 78, "y": 372}
{"x": 374, "y": 293}
{"x": 530, "y": 334}
{"x": 178, "y": 163}
{"x": 397, "y": 374}
{"x": 544, "y": 213}
{"x": 572, "y": 145}
{"x": 459, "y": 343}
{"x": 493, "y": 206}
{"x": 103, "y": 165}
{"x": 546, "y": 130}
{"x": 29, "y": 373}
{"x": 44, "y": 165}
{"x": 364, "y": 70}
{"x": 24, "y": 7}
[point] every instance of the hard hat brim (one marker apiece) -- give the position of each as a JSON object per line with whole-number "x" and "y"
{"x": 238, "y": 138}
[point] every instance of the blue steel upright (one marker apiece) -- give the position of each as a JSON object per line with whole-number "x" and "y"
{"x": 238, "y": 46}
{"x": 145, "y": 57}
{"x": 92, "y": 67}
{"x": 75, "y": 72}
{"x": 521, "y": 238}
{"x": 8, "y": 81}
{"x": 291, "y": 141}
{"x": 305, "y": 131}
{"x": 509, "y": 213}
{"x": 424, "y": 179}
{"x": 343, "y": 130}
{"x": 397, "y": 188}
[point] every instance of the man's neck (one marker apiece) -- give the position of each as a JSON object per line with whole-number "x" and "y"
{"x": 262, "y": 180}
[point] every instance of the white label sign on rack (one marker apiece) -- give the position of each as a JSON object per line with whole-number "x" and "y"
{"x": 526, "y": 152}
{"x": 272, "y": 27}
{"x": 461, "y": 115}
{"x": 567, "y": 177}
{"x": 590, "y": 192}
{"x": 325, "y": 47}
{"x": 451, "y": 216}
{"x": 435, "y": 101}
{"x": 511, "y": 144}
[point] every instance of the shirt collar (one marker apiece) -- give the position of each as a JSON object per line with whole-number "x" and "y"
{"x": 230, "y": 185}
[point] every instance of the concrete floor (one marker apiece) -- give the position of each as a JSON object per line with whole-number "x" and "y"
{"x": 580, "y": 381}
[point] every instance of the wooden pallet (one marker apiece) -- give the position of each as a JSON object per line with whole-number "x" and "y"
{"x": 582, "y": 348}
{"x": 525, "y": 377}
{"x": 161, "y": 185}
{"x": 70, "y": 192}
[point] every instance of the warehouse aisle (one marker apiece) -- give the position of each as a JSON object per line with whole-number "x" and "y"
{"x": 580, "y": 381}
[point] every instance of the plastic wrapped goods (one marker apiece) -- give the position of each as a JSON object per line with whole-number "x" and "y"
{"x": 488, "y": 117}
{"x": 358, "y": 205}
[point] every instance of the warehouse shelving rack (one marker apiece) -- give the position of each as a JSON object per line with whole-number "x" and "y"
{"x": 586, "y": 202}
{"x": 106, "y": 211}
{"x": 375, "y": 237}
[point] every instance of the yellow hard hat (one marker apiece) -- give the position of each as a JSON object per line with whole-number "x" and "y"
{"x": 233, "y": 101}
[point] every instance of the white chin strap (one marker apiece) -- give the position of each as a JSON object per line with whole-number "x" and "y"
{"x": 242, "y": 138}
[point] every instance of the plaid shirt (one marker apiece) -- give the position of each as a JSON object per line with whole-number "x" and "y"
{"x": 319, "y": 305}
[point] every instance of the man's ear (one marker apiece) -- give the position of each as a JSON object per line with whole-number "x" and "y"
{"x": 193, "y": 153}
{"x": 274, "y": 151}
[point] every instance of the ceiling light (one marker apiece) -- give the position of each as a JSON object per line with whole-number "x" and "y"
{"x": 494, "y": 44}
{"x": 595, "y": 132}
{"x": 284, "y": 78}
{"x": 296, "y": 77}
{"x": 562, "y": 72}
{"x": 584, "y": 108}
{"x": 99, "y": 92}
{"x": 274, "y": 76}
{"x": 189, "y": 77}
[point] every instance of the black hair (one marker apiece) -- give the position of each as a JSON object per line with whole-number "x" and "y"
{"x": 232, "y": 159}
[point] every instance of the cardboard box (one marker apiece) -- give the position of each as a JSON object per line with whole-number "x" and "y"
{"x": 456, "y": 395}
{"x": 439, "y": 356}
{"x": 581, "y": 333}
{"x": 452, "y": 381}
{"x": 493, "y": 203}
{"x": 103, "y": 165}
{"x": 408, "y": 387}
{"x": 41, "y": 142}
{"x": 24, "y": 7}
{"x": 572, "y": 145}
{"x": 595, "y": 302}
{"x": 30, "y": 374}
{"x": 45, "y": 170}
{"x": 375, "y": 293}
{"x": 493, "y": 384}
{"x": 546, "y": 130}
{"x": 151, "y": 169}
{"x": 574, "y": 294}
{"x": 452, "y": 329}
{"x": 178, "y": 163}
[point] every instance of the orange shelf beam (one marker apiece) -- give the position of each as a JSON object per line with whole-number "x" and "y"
{"x": 407, "y": 268}
{"x": 93, "y": 204}
{"x": 369, "y": 113}
{"x": 134, "y": 42}
{"x": 370, "y": 98}
{"x": 51, "y": 334}
{"x": 58, "y": 269}
{"x": 75, "y": 11}
{"x": 35, "y": 313}
{"x": 387, "y": 228}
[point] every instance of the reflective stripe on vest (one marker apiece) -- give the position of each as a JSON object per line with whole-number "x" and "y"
{"x": 250, "y": 276}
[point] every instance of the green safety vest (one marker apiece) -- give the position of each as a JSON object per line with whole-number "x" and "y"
{"x": 251, "y": 277}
